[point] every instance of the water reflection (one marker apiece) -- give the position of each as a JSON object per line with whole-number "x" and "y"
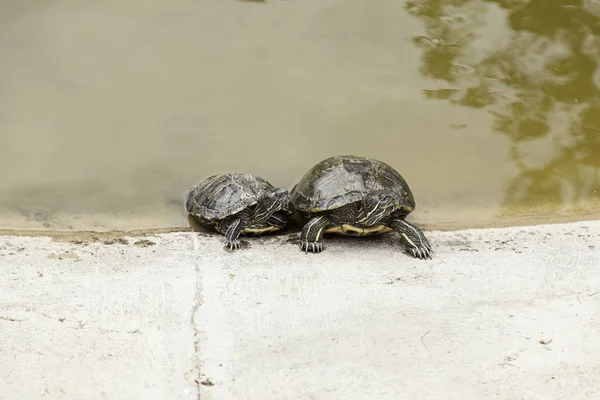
{"x": 541, "y": 86}
{"x": 110, "y": 112}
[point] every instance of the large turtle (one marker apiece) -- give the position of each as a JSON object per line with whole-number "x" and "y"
{"x": 356, "y": 196}
{"x": 238, "y": 203}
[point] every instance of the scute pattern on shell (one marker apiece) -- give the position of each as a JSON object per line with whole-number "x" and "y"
{"x": 341, "y": 180}
{"x": 219, "y": 196}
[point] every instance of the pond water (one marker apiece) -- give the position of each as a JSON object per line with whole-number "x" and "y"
{"x": 111, "y": 110}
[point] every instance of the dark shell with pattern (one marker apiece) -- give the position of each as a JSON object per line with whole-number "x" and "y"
{"x": 341, "y": 180}
{"x": 222, "y": 195}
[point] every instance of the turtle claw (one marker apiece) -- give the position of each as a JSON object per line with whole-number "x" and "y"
{"x": 233, "y": 244}
{"x": 314, "y": 247}
{"x": 422, "y": 252}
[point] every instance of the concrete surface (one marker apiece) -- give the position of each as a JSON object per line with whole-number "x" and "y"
{"x": 498, "y": 313}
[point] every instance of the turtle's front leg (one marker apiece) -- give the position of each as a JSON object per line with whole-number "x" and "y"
{"x": 413, "y": 237}
{"x": 232, "y": 228}
{"x": 312, "y": 234}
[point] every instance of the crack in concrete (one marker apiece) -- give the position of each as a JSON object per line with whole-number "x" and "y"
{"x": 195, "y": 371}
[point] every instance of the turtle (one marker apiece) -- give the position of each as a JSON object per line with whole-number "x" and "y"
{"x": 238, "y": 203}
{"x": 356, "y": 196}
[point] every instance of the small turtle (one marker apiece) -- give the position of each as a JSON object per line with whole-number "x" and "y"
{"x": 356, "y": 196}
{"x": 238, "y": 203}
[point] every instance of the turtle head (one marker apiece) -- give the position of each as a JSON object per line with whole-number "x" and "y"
{"x": 377, "y": 205}
{"x": 269, "y": 202}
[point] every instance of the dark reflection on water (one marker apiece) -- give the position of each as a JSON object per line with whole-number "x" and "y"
{"x": 541, "y": 86}
{"x": 110, "y": 112}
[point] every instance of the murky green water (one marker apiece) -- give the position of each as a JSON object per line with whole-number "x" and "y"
{"x": 111, "y": 110}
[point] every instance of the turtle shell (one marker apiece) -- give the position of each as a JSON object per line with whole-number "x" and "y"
{"x": 341, "y": 180}
{"x": 219, "y": 196}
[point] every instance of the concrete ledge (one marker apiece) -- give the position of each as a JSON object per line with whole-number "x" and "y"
{"x": 503, "y": 313}
{"x": 94, "y": 321}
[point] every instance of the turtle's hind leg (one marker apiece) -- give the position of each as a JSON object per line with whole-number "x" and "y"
{"x": 413, "y": 238}
{"x": 312, "y": 234}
